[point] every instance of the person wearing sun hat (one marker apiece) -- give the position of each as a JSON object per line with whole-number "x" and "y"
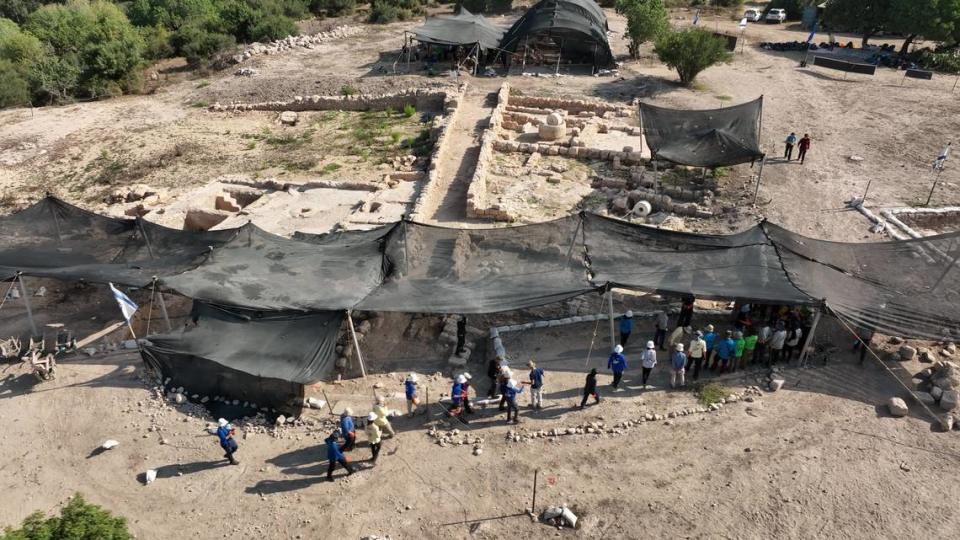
{"x": 618, "y": 364}
{"x": 648, "y": 359}
{"x": 374, "y": 435}
{"x": 410, "y": 391}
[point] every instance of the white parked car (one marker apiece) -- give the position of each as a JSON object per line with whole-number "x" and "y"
{"x": 777, "y": 15}
{"x": 753, "y": 15}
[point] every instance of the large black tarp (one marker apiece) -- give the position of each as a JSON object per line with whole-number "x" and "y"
{"x": 288, "y": 345}
{"x": 705, "y": 138}
{"x": 58, "y": 240}
{"x": 464, "y": 28}
{"x": 843, "y": 65}
{"x": 909, "y": 288}
{"x": 578, "y": 27}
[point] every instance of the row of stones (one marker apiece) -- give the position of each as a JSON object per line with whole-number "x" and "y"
{"x": 575, "y": 106}
{"x": 478, "y": 205}
{"x": 421, "y": 98}
{"x": 293, "y": 42}
{"x": 583, "y": 152}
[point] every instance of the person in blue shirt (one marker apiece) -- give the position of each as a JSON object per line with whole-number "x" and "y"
{"x": 710, "y": 338}
{"x": 725, "y": 350}
{"x": 678, "y": 364}
{"x": 788, "y": 145}
{"x": 626, "y": 327}
{"x": 335, "y": 455}
{"x": 536, "y": 385}
{"x": 458, "y": 397}
{"x": 618, "y": 364}
{"x": 348, "y": 429}
{"x": 410, "y": 390}
{"x": 225, "y": 433}
{"x": 511, "y": 391}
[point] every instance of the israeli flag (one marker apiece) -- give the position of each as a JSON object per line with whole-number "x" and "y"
{"x": 813, "y": 32}
{"x": 127, "y": 306}
{"x": 942, "y": 158}
{"x": 696, "y": 18}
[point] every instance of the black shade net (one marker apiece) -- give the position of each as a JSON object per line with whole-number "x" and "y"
{"x": 578, "y": 27}
{"x": 907, "y": 288}
{"x": 707, "y": 138}
{"x": 464, "y": 28}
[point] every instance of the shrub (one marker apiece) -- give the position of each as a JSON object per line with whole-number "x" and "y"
{"x": 18, "y": 10}
{"x": 409, "y": 110}
{"x": 14, "y": 87}
{"x": 646, "y": 21}
{"x": 156, "y": 42}
{"x": 348, "y": 90}
{"x": 386, "y": 11}
{"x": 691, "y": 51}
{"x": 333, "y": 8}
{"x": 710, "y": 393}
{"x": 78, "y": 520}
{"x": 273, "y": 27}
{"x": 487, "y": 6}
{"x": 947, "y": 61}
{"x": 196, "y": 43}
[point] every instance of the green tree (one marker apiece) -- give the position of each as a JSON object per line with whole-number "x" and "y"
{"x": 197, "y": 42}
{"x": 18, "y": 10}
{"x": 14, "y": 86}
{"x": 691, "y": 51}
{"x": 78, "y": 520}
{"x": 646, "y": 21}
{"x": 865, "y": 17}
{"x": 16, "y": 45}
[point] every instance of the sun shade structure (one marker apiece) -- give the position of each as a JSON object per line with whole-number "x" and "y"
{"x": 577, "y": 27}
{"x": 249, "y": 283}
{"x": 464, "y": 28}
{"x": 704, "y": 138}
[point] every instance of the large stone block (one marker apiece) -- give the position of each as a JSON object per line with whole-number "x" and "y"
{"x": 897, "y": 407}
{"x": 948, "y": 401}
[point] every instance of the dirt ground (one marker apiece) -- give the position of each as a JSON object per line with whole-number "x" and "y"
{"x": 820, "y": 458}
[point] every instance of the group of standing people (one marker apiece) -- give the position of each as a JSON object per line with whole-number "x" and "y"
{"x": 377, "y": 425}
{"x": 802, "y": 147}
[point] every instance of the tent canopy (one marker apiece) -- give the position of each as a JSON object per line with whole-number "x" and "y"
{"x": 908, "y": 288}
{"x": 704, "y": 138}
{"x": 464, "y": 28}
{"x": 578, "y": 27}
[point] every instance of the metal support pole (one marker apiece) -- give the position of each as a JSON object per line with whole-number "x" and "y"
{"x": 933, "y": 187}
{"x": 809, "y": 340}
{"x": 356, "y": 345}
{"x": 26, "y": 304}
{"x": 559, "y": 54}
{"x": 533, "y": 504}
{"x": 756, "y": 192}
{"x": 613, "y": 335}
{"x": 163, "y": 310}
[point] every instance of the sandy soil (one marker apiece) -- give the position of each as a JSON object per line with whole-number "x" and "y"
{"x": 820, "y": 458}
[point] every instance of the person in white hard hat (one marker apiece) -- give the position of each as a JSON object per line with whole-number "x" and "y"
{"x": 626, "y": 327}
{"x": 466, "y": 392}
{"x": 511, "y": 391}
{"x": 382, "y": 412}
{"x": 456, "y": 398}
{"x": 648, "y": 359}
{"x": 505, "y": 375}
{"x": 374, "y": 435}
{"x": 678, "y": 362}
{"x": 618, "y": 364}
{"x": 410, "y": 390}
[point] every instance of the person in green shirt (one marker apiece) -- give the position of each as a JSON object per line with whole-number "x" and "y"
{"x": 739, "y": 345}
{"x": 749, "y": 345}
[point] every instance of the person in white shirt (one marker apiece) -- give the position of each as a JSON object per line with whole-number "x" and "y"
{"x": 777, "y": 341}
{"x": 763, "y": 343}
{"x": 696, "y": 353}
{"x": 794, "y": 336}
{"x": 648, "y": 359}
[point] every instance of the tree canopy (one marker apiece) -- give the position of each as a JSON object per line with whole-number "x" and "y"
{"x": 646, "y": 21}
{"x": 691, "y": 51}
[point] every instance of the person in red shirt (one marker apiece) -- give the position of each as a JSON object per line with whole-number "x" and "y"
{"x": 803, "y": 147}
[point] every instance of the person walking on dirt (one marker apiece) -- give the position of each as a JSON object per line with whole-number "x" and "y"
{"x": 461, "y": 333}
{"x": 660, "y": 333}
{"x": 348, "y": 430}
{"x": 803, "y": 147}
{"x": 410, "y": 391}
{"x": 626, "y": 327}
{"x": 225, "y": 433}
{"x": 678, "y": 362}
{"x": 739, "y": 345}
{"x": 374, "y": 436}
{"x": 382, "y": 412}
{"x": 590, "y": 388}
{"x": 505, "y": 375}
{"x": 618, "y": 364}
{"x": 536, "y": 385}
{"x": 466, "y": 393}
{"x": 788, "y": 145}
{"x": 695, "y": 354}
{"x": 648, "y": 360}
{"x": 335, "y": 456}
{"x": 512, "y": 391}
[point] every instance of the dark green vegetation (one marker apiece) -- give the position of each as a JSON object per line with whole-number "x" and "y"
{"x": 691, "y": 51}
{"x": 78, "y": 520}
